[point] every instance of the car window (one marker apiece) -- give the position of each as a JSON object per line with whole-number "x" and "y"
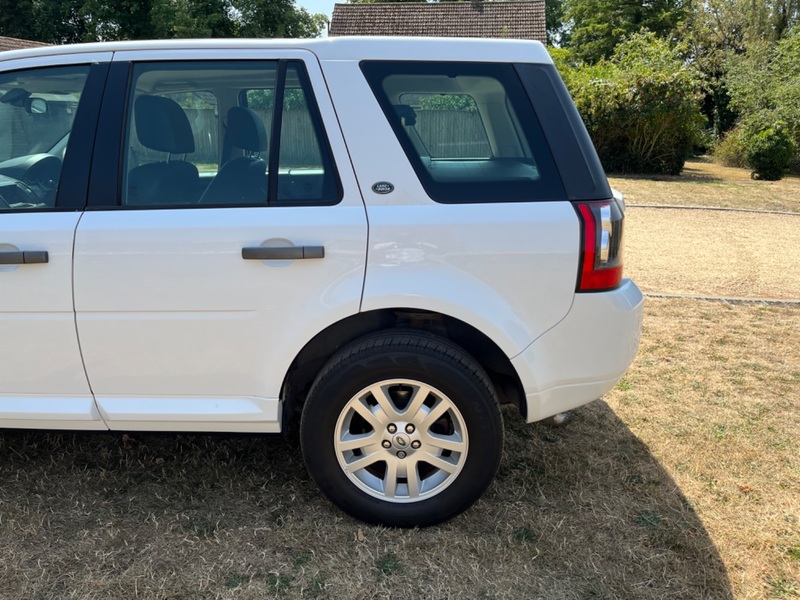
{"x": 469, "y": 130}
{"x": 206, "y": 133}
{"x": 37, "y": 108}
{"x": 305, "y": 170}
{"x": 449, "y": 125}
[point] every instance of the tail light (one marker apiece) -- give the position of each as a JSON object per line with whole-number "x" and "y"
{"x": 601, "y": 254}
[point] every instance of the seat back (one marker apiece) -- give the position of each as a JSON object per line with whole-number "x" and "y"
{"x": 243, "y": 179}
{"x": 162, "y": 125}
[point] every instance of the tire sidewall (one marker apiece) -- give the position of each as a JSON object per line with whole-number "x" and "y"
{"x": 465, "y": 387}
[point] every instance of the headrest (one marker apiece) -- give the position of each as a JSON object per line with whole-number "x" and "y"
{"x": 246, "y": 130}
{"x": 407, "y": 114}
{"x": 162, "y": 125}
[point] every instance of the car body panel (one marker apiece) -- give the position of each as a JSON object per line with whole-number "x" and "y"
{"x": 41, "y": 369}
{"x": 177, "y": 330}
{"x": 585, "y": 355}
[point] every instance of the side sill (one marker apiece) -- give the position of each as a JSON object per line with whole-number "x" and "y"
{"x": 209, "y": 414}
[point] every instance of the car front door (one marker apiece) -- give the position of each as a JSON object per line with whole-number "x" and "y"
{"x": 48, "y": 116}
{"x": 224, "y": 230}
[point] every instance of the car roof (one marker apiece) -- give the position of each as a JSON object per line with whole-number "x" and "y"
{"x": 337, "y": 48}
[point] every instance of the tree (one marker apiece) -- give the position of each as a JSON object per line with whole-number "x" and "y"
{"x": 73, "y": 21}
{"x": 64, "y": 22}
{"x": 276, "y": 18}
{"x": 554, "y": 22}
{"x": 767, "y": 80}
{"x": 598, "y": 26}
{"x": 717, "y": 30}
{"x": 641, "y": 107}
{"x": 16, "y": 17}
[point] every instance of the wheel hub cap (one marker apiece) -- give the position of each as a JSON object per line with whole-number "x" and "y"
{"x": 401, "y": 440}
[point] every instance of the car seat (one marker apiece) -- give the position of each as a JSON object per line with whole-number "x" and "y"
{"x": 162, "y": 125}
{"x": 242, "y": 179}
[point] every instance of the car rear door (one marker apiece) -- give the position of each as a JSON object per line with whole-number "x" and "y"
{"x": 197, "y": 284}
{"x": 48, "y": 116}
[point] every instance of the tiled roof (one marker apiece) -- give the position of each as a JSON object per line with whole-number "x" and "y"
{"x": 504, "y": 19}
{"x": 9, "y": 43}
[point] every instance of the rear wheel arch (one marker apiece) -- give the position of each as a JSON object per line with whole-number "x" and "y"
{"x": 317, "y": 351}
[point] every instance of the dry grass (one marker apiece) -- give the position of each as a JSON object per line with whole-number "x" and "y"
{"x": 689, "y": 471}
{"x": 713, "y": 253}
{"x": 705, "y": 183}
{"x": 684, "y": 483}
{"x": 713, "y": 395}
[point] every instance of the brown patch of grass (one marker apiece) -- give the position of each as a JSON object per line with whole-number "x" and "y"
{"x": 713, "y": 253}
{"x": 705, "y": 183}
{"x": 583, "y": 512}
{"x": 713, "y": 396}
{"x": 686, "y": 484}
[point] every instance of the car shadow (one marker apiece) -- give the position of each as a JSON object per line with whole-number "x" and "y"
{"x": 582, "y": 511}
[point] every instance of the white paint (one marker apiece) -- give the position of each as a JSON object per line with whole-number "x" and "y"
{"x": 585, "y": 355}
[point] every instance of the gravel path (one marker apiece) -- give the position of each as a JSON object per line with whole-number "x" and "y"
{"x": 713, "y": 253}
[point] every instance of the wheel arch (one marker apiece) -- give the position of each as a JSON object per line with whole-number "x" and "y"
{"x": 317, "y": 351}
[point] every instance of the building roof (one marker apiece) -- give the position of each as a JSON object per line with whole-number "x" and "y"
{"x": 9, "y": 43}
{"x": 520, "y": 20}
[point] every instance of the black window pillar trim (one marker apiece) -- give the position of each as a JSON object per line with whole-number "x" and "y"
{"x": 74, "y": 179}
{"x": 106, "y": 175}
{"x": 275, "y": 142}
{"x": 576, "y": 157}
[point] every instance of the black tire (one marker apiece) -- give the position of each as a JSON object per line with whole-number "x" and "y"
{"x": 400, "y": 360}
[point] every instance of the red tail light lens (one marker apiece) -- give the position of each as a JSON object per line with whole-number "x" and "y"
{"x": 601, "y": 255}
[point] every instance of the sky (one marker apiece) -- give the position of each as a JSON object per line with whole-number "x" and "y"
{"x": 318, "y": 6}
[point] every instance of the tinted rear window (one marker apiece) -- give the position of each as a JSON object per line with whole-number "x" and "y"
{"x": 468, "y": 129}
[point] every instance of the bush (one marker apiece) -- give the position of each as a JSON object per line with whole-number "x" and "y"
{"x": 731, "y": 150}
{"x": 764, "y": 86}
{"x": 641, "y": 107}
{"x": 769, "y": 146}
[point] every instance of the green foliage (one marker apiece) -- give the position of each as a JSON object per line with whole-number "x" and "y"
{"x": 555, "y": 26}
{"x": 462, "y": 102}
{"x": 599, "y": 26}
{"x": 769, "y": 146}
{"x": 641, "y": 107}
{"x": 293, "y": 99}
{"x": 731, "y": 150}
{"x": 71, "y": 21}
{"x": 767, "y": 78}
{"x": 764, "y": 87}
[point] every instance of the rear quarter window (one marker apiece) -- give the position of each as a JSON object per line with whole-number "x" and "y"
{"x": 468, "y": 129}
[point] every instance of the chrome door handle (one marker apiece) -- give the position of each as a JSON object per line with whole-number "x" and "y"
{"x": 27, "y": 257}
{"x": 283, "y": 253}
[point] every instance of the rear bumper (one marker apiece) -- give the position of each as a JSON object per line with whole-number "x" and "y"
{"x": 584, "y": 355}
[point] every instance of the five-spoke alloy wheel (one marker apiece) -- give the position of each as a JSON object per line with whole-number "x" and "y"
{"x": 402, "y": 428}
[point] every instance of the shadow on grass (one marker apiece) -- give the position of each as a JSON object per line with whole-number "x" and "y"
{"x": 688, "y": 175}
{"x": 580, "y": 512}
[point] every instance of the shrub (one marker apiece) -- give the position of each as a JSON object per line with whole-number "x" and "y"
{"x": 731, "y": 150}
{"x": 769, "y": 146}
{"x": 764, "y": 86}
{"x": 641, "y": 107}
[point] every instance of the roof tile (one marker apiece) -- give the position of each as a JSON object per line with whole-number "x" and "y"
{"x": 522, "y": 20}
{"x": 9, "y": 43}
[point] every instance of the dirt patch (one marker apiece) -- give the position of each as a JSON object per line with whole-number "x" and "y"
{"x": 713, "y": 253}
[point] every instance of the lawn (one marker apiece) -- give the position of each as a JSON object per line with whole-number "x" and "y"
{"x": 705, "y": 183}
{"x": 683, "y": 482}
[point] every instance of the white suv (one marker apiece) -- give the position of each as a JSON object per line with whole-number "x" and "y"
{"x": 385, "y": 238}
